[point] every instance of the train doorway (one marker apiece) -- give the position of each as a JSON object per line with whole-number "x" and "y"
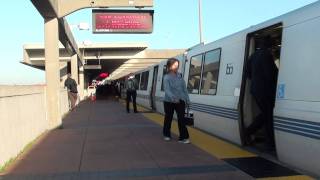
{"x": 258, "y": 91}
{"x": 154, "y": 88}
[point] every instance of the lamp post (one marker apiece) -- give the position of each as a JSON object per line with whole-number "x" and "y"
{"x": 200, "y": 22}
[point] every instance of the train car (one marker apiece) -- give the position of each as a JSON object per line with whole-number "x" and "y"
{"x": 220, "y": 90}
{"x": 159, "y": 93}
{"x": 150, "y": 93}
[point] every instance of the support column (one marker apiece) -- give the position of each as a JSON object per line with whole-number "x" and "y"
{"x": 74, "y": 68}
{"x": 75, "y": 71}
{"x": 52, "y": 66}
{"x": 81, "y": 83}
{"x": 63, "y": 73}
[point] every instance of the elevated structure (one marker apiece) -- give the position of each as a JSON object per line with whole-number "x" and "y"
{"x": 62, "y": 8}
{"x": 57, "y": 29}
{"x": 116, "y": 58}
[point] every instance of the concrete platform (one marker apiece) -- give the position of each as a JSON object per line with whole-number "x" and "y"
{"x": 99, "y": 140}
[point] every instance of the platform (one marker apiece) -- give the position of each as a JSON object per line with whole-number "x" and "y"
{"x": 99, "y": 140}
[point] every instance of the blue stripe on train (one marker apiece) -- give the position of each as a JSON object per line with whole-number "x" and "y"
{"x": 298, "y": 127}
{"x": 216, "y": 107}
{"x": 297, "y": 133}
{"x": 217, "y": 111}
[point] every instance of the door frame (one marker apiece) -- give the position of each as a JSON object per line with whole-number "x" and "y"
{"x": 154, "y": 87}
{"x": 244, "y": 78}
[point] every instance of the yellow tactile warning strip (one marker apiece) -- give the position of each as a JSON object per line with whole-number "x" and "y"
{"x": 215, "y": 146}
{"x": 210, "y": 144}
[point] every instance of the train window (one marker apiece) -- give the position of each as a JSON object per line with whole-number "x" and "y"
{"x": 210, "y": 72}
{"x": 164, "y": 72}
{"x": 195, "y": 74}
{"x": 144, "y": 80}
{"x": 137, "y": 77}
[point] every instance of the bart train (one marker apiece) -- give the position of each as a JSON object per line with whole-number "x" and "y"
{"x": 219, "y": 93}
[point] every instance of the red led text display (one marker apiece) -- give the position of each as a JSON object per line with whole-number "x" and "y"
{"x": 122, "y": 21}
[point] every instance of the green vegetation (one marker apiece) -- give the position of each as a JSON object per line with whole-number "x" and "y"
{"x": 7, "y": 164}
{"x": 24, "y": 150}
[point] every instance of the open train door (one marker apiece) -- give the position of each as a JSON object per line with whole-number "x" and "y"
{"x": 250, "y": 109}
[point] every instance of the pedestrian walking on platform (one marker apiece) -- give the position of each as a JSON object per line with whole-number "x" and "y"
{"x": 71, "y": 85}
{"x": 131, "y": 85}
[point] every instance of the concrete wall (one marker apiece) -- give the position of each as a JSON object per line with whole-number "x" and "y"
{"x": 23, "y": 117}
{"x": 64, "y": 103}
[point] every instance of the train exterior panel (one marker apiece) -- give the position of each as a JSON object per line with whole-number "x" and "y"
{"x": 228, "y": 110}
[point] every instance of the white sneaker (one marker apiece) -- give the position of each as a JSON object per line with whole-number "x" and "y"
{"x": 167, "y": 138}
{"x": 184, "y": 141}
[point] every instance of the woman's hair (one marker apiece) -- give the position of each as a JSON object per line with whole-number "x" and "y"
{"x": 170, "y": 62}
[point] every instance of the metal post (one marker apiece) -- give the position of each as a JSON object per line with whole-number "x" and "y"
{"x": 74, "y": 68}
{"x": 200, "y": 22}
{"x": 81, "y": 83}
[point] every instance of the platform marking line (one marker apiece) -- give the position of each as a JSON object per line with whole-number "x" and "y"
{"x": 212, "y": 145}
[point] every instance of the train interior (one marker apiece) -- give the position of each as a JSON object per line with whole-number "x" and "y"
{"x": 250, "y": 110}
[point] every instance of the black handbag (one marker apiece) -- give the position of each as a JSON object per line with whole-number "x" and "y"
{"x": 188, "y": 117}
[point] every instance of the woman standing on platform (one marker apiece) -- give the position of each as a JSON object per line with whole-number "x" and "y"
{"x": 175, "y": 99}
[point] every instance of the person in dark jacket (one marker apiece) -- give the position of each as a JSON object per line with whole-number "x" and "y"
{"x": 262, "y": 71}
{"x": 131, "y": 85}
{"x": 71, "y": 85}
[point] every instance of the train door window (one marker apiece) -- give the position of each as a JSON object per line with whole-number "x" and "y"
{"x": 164, "y": 72}
{"x": 137, "y": 77}
{"x": 195, "y": 74}
{"x": 210, "y": 72}
{"x": 144, "y": 80}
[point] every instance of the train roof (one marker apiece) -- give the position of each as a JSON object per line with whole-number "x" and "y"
{"x": 297, "y": 16}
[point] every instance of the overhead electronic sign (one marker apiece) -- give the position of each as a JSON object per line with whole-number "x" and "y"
{"x": 122, "y": 21}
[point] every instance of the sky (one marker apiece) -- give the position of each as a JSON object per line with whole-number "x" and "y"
{"x": 175, "y": 26}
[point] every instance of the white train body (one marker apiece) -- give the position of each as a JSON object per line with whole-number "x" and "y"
{"x": 225, "y": 112}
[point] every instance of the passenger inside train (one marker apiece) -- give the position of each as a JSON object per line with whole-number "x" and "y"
{"x": 262, "y": 74}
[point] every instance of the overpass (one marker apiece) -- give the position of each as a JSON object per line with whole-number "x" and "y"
{"x": 118, "y": 59}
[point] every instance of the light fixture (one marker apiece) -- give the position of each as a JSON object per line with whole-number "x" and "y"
{"x": 83, "y": 26}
